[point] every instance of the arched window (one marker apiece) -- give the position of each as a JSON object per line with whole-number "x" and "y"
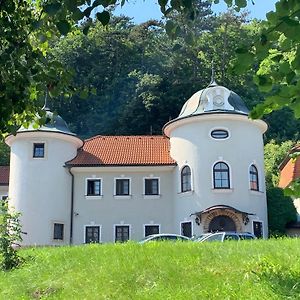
{"x": 221, "y": 176}
{"x": 254, "y": 178}
{"x": 186, "y": 179}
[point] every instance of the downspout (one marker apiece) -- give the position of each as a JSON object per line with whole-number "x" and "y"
{"x": 72, "y": 206}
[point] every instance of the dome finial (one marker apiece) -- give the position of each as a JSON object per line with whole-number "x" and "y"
{"x": 212, "y": 80}
{"x": 46, "y": 106}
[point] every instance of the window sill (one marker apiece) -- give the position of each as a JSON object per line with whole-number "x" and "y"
{"x": 151, "y": 196}
{"x": 90, "y": 197}
{"x": 187, "y": 193}
{"x": 254, "y": 192}
{"x": 222, "y": 191}
{"x": 122, "y": 196}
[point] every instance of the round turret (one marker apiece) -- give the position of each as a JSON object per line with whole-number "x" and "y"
{"x": 40, "y": 185}
{"x": 219, "y": 150}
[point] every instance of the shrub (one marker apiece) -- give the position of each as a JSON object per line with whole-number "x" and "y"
{"x": 10, "y": 235}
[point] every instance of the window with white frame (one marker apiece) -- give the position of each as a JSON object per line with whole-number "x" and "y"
{"x": 254, "y": 185}
{"x": 186, "y": 229}
{"x": 58, "y": 232}
{"x": 151, "y": 186}
{"x": 186, "y": 179}
{"x": 122, "y": 233}
{"x": 151, "y": 229}
{"x": 94, "y": 187}
{"x": 92, "y": 234}
{"x": 122, "y": 186}
{"x": 38, "y": 150}
{"x": 221, "y": 176}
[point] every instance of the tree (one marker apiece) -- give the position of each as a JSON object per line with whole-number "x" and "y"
{"x": 277, "y": 54}
{"x": 26, "y": 70}
{"x": 281, "y": 210}
{"x": 10, "y": 235}
{"x": 4, "y": 154}
{"x": 274, "y": 155}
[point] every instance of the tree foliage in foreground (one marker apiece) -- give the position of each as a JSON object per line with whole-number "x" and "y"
{"x": 10, "y": 236}
{"x": 26, "y": 72}
{"x": 277, "y": 51}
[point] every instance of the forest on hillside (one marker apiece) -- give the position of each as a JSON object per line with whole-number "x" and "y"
{"x": 135, "y": 78}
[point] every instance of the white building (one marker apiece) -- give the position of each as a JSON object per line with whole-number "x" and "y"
{"x": 206, "y": 173}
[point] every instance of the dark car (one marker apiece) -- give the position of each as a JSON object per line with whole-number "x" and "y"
{"x": 225, "y": 236}
{"x": 164, "y": 237}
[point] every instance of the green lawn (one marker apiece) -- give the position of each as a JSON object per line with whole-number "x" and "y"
{"x": 232, "y": 270}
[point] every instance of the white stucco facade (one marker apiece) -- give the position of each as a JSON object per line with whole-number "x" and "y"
{"x": 40, "y": 188}
{"x": 65, "y": 203}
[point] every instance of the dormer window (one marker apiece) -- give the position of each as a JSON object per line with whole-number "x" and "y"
{"x": 38, "y": 150}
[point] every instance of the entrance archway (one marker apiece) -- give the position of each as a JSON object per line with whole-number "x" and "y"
{"x": 221, "y": 223}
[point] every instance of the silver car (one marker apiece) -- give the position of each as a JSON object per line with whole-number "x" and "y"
{"x": 164, "y": 237}
{"x": 225, "y": 236}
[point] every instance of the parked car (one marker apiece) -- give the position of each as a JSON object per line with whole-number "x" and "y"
{"x": 224, "y": 236}
{"x": 164, "y": 237}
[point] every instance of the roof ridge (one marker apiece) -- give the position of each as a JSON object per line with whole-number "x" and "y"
{"x": 125, "y": 136}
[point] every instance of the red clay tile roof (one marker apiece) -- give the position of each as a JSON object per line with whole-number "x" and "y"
{"x": 4, "y": 175}
{"x": 289, "y": 169}
{"x": 124, "y": 150}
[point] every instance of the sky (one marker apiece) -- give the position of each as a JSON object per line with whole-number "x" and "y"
{"x": 143, "y": 10}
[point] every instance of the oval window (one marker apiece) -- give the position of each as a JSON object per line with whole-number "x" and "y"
{"x": 219, "y": 134}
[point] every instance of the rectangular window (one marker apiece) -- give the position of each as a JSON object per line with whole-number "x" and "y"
{"x": 151, "y": 186}
{"x": 93, "y": 187}
{"x": 151, "y": 229}
{"x": 39, "y": 150}
{"x": 121, "y": 233}
{"x": 122, "y": 187}
{"x": 258, "y": 229}
{"x": 92, "y": 234}
{"x": 186, "y": 229}
{"x": 58, "y": 233}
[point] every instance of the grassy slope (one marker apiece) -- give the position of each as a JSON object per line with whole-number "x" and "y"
{"x": 243, "y": 270}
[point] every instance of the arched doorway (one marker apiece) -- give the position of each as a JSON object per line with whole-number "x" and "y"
{"x": 221, "y": 223}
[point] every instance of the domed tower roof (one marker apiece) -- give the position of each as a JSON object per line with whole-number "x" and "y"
{"x": 54, "y": 123}
{"x": 213, "y": 99}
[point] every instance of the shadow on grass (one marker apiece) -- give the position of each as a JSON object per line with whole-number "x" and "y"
{"x": 283, "y": 281}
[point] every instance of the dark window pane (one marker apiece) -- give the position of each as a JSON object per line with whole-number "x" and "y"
{"x": 186, "y": 229}
{"x": 221, "y": 175}
{"x": 186, "y": 179}
{"x": 151, "y": 186}
{"x": 258, "y": 229}
{"x": 93, "y": 187}
{"x": 38, "y": 150}
{"x": 58, "y": 231}
{"x": 122, "y": 187}
{"x": 254, "y": 178}
{"x": 92, "y": 234}
{"x": 122, "y": 233}
{"x": 151, "y": 229}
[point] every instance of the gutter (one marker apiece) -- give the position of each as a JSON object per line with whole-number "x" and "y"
{"x": 72, "y": 206}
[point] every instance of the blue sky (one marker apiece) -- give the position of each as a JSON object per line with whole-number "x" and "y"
{"x": 143, "y": 10}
